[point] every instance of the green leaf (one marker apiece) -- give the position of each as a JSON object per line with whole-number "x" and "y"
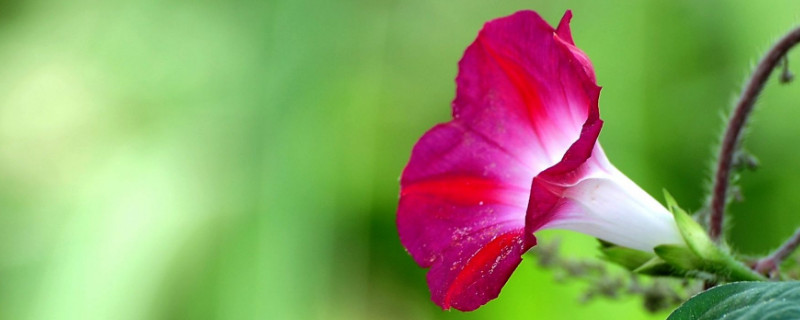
{"x": 744, "y": 301}
{"x": 626, "y": 257}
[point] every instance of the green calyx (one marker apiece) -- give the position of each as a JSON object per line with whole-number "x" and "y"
{"x": 698, "y": 257}
{"x": 701, "y": 253}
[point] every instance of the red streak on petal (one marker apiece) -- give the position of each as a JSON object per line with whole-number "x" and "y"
{"x": 516, "y": 75}
{"x": 482, "y": 262}
{"x": 466, "y": 190}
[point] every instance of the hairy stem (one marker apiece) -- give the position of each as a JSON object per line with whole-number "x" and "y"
{"x": 770, "y": 263}
{"x": 737, "y": 121}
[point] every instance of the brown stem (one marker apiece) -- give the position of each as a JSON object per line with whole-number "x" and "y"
{"x": 736, "y": 123}
{"x": 770, "y": 263}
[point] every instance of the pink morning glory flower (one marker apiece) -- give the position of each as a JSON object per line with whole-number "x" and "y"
{"x": 520, "y": 155}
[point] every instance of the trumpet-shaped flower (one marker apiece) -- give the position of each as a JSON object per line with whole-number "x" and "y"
{"x": 520, "y": 155}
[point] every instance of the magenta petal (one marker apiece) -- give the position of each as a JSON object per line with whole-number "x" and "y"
{"x": 563, "y": 30}
{"x": 518, "y": 86}
{"x": 460, "y": 214}
{"x": 525, "y": 95}
{"x": 585, "y": 193}
{"x": 481, "y": 274}
{"x": 548, "y": 186}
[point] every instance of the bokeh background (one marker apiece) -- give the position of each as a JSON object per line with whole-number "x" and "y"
{"x": 240, "y": 159}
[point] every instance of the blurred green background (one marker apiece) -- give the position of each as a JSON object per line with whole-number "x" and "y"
{"x": 240, "y": 160}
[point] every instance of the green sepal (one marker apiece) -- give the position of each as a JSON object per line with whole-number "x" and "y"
{"x": 733, "y": 270}
{"x": 691, "y": 231}
{"x": 679, "y": 256}
{"x": 628, "y": 258}
{"x": 659, "y": 267}
{"x": 707, "y": 256}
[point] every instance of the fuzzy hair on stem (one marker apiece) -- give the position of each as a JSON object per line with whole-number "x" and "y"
{"x": 731, "y": 141}
{"x": 770, "y": 263}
